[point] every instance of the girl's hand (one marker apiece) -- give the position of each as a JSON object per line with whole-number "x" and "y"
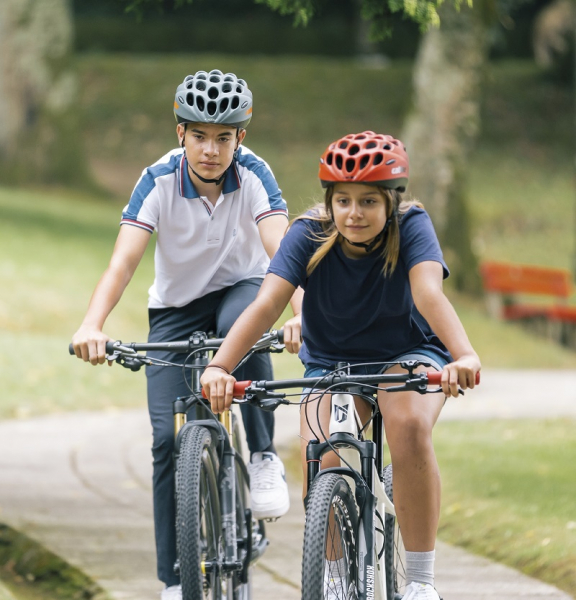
{"x": 293, "y": 334}
{"x": 90, "y": 345}
{"x": 460, "y": 374}
{"x": 218, "y": 387}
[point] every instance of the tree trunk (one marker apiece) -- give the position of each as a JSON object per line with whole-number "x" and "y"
{"x": 39, "y": 117}
{"x": 440, "y": 131}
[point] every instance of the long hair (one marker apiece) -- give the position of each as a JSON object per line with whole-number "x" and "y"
{"x": 396, "y": 206}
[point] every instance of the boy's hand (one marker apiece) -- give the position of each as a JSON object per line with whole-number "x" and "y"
{"x": 218, "y": 387}
{"x": 293, "y": 334}
{"x": 90, "y": 345}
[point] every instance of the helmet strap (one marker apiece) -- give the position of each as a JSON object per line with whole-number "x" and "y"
{"x": 371, "y": 245}
{"x": 217, "y": 181}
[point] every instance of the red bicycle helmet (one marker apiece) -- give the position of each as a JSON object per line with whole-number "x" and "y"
{"x": 366, "y": 157}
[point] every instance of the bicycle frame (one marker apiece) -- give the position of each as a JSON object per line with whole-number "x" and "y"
{"x": 366, "y": 466}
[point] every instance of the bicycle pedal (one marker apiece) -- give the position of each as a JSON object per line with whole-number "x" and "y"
{"x": 270, "y": 519}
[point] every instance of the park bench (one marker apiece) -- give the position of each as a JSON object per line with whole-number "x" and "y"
{"x": 507, "y": 285}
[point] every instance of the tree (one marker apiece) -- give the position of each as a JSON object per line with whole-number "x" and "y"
{"x": 39, "y": 124}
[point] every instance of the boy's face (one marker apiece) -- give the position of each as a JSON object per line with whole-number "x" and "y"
{"x": 210, "y": 147}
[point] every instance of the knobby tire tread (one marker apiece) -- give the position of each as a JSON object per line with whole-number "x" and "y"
{"x": 323, "y": 490}
{"x": 196, "y": 460}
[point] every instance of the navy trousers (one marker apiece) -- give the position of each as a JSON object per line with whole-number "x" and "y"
{"x": 215, "y": 312}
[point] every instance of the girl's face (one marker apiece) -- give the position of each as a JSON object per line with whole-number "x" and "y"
{"x": 360, "y": 213}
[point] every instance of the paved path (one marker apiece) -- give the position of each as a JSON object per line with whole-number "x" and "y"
{"x": 80, "y": 484}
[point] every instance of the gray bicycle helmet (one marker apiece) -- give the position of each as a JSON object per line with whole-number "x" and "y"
{"x": 213, "y": 98}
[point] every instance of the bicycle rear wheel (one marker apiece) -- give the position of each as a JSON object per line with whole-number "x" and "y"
{"x": 198, "y": 525}
{"x": 394, "y": 552}
{"x": 330, "y": 538}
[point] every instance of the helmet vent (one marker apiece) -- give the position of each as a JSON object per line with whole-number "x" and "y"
{"x": 329, "y": 159}
{"x": 211, "y": 108}
{"x": 371, "y": 145}
{"x": 343, "y": 145}
{"x": 190, "y": 99}
{"x": 200, "y": 103}
{"x": 241, "y": 82}
{"x": 214, "y": 79}
{"x": 350, "y": 164}
{"x": 189, "y": 84}
{"x": 361, "y": 137}
{"x": 387, "y": 147}
{"x": 201, "y": 76}
{"x": 213, "y": 93}
{"x": 200, "y": 85}
{"x": 364, "y": 161}
{"x": 226, "y": 88}
{"x": 224, "y": 105}
{"x": 235, "y": 102}
{"x": 392, "y": 160}
{"x": 229, "y": 78}
{"x": 378, "y": 158}
{"x": 239, "y": 89}
{"x": 339, "y": 161}
{"x": 354, "y": 150}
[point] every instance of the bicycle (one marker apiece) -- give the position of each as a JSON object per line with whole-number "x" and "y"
{"x": 218, "y": 540}
{"x": 350, "y": 514}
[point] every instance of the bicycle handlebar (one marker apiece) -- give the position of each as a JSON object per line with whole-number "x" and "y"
{"x": 195, "y": 342}
{"x": 415, "y": 381}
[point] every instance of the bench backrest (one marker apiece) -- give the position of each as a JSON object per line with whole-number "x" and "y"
{"x": 508, "y": 278}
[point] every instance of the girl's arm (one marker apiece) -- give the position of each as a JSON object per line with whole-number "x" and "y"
{"x": 271, "y": 300}
{"x": 434, "y": 306}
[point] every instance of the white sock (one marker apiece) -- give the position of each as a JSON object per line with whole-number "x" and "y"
{"x": 336, "y": 568}
{"x": 420, "y": 567}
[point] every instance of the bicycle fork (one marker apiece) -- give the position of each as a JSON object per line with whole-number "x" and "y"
{"x": 362, "y": 465}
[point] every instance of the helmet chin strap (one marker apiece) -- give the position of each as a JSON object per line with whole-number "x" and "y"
{"x": 371, "y": 245}
{"x": 217, "y": 181}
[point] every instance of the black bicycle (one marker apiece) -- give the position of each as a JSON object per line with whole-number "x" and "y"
{"x": 353, "y": 547}
{"x": 218, "y": 540}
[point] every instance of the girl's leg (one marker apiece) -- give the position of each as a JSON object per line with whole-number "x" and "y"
{"x": 408, "y": 420}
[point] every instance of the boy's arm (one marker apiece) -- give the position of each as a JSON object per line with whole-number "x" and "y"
{"x": 272, "y": 230}
{"x": 434, "y": 306}
{"x": 89, "y": 341}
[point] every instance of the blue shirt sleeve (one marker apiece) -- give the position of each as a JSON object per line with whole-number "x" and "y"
{"x": 418, "y": 240}
{"x": 296, "y": 249}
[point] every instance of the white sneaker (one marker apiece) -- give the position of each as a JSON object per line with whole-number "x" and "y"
{"x": 335, "y": 585}
{"x": 174, "y": 592}
{"x": 268, "y": 490}
{"x": 420, "y": 591}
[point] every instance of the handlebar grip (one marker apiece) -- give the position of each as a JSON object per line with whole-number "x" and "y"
{"x": 239, "y": 389}
{"x": 280, "y": 334}
{"x": 109, "y": 348}
{"x": 435, "y": 378}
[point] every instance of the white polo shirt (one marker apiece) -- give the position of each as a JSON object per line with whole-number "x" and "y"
{"x": 201, "y": 248}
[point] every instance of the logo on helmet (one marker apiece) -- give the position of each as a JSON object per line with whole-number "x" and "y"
{"x": 244, "y": 104}
{"x": 397, "y": 170}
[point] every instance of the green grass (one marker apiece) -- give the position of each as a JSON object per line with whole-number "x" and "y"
{"x": 508, "y": 493}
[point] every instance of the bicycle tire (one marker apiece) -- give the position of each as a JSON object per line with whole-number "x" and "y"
{"x": 198, "y": 523}
{"x": 331, "y": 529}
{"x": 394, "y": 552}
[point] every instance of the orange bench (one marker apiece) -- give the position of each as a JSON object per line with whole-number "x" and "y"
{"x": 506, "y": 282}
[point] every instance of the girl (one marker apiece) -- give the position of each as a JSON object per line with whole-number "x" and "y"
{"x": 372, "y": 270}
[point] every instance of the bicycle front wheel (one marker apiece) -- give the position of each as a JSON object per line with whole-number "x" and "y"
{"x": 198, "y": 525}
{"x": 329, "y": 562}
{"x": 394, "y": 552}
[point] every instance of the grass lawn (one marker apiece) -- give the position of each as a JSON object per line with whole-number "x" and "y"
{"x": 508, "y": 493}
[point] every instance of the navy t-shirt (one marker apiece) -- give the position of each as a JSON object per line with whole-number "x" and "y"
{"x": 351, "y": 312}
